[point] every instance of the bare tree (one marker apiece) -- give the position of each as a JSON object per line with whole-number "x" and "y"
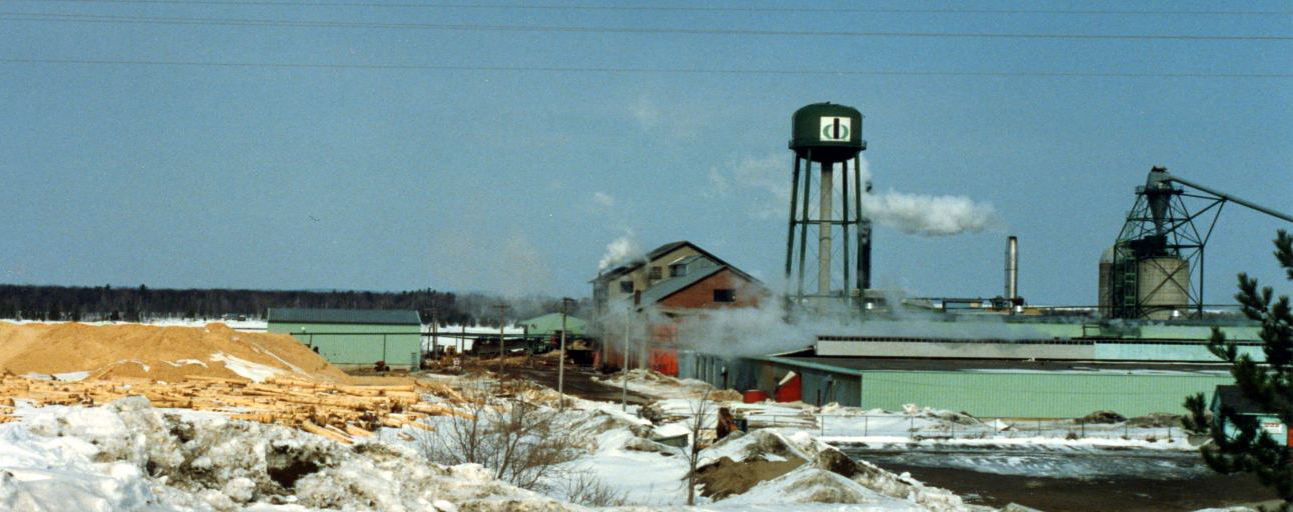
{"x": 584, "y": 488}
{"x": 699, "y": 412}
{"x": 521, "y": 442}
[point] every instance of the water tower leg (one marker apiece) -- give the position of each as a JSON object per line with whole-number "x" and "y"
{"x": 863, "y": 234}
{"x": 824, "y": 236}
{"x": 844, "y": 227}
{"x": 790, "y": 235}
{"x": 803, "y": 222}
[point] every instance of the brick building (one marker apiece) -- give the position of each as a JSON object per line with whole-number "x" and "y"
{"x": 674, "y": 283}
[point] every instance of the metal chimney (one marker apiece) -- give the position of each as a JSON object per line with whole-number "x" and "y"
{"x": 1012, "y": 269}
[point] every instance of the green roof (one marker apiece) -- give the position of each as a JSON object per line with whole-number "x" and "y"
{"x": 551, "y": 323}
{"x": 345, "y": 316}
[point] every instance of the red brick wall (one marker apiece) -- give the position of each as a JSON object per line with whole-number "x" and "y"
{"x": 701, "y": 294}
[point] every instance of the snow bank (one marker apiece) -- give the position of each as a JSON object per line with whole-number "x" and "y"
{"x": 764, "y": 443}
{"x": 810, "y": 485}
{"x": 129, "y": 456}
{"x": 244, "y": 368}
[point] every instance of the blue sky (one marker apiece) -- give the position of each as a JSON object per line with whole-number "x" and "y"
{"x": 515, "y": 181}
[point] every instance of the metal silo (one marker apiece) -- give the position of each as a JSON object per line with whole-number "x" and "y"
{"x": 1151, "y": 269}
{"x": 1105, "y": 300}
{"x": 1163, "y": 287}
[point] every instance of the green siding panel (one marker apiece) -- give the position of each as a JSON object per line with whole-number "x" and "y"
{"x": 1160, "y": 352}
{"x": 1035, "y": 394}
{"x": 357, "y": 344}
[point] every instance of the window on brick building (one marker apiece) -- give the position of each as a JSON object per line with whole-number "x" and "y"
{"x": 626, "y": 286}
{"x": 656, "y": 272}
{"x": 724, "y": 295}
{"x": 677, "y": 270}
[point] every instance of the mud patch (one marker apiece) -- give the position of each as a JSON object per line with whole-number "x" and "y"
{"x": 726, "y": 477}
{"x": 285, "y": 466}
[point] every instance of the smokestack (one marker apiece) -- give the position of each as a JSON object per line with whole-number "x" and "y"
{"x": 825, "y": 202}
{"x": 865, "y": 245}
{"x": 1012, "y": 270}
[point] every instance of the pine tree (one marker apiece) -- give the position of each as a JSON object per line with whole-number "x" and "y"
{"x": 1250, "y": 449}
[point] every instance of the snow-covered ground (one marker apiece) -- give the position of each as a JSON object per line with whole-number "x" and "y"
{"x": 238, "y": 325}
{"x": 447, "y": 336}
{"x": 130, "y": 456}
{"x": 1048, "y": 462}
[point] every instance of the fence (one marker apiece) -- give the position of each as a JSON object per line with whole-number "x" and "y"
{"x": 918, "y": 427}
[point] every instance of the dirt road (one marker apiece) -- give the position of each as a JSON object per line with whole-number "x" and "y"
{"x": 579, "y": 382}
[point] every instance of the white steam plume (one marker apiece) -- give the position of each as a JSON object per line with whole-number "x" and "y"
{"x": 916, "y": 214}
{"x": 621, "y": 250}
{"x": 745, "y": 332}
{"x": 919, "y": 214}
{"x": 925, "y": 215}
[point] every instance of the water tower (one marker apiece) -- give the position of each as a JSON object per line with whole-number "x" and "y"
{"x": 827, "y": 134}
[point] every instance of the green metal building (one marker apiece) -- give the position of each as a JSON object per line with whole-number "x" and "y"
{"x": 354, "y": 338}
{"x": 1025, "y": 370}
{"x": 550, "y": 324}
{"x": 1015, "y": 389}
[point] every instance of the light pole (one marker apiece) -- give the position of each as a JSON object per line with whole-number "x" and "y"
{"x": 561, "y": 365}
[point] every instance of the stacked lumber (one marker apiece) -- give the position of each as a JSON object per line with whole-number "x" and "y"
{"x": 340, "y": 412}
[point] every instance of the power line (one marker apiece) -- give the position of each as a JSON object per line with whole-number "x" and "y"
{"x": 94, "y": 18}
{"x": 663, "y": 8}
{"x": 630, "y": 70}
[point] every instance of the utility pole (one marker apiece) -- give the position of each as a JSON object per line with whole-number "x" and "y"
{"x": 502, "y": 322}
{"x": 644, "y": 354}
{"x": 624, "y": 368}
{"x": 435, "y": 333}
{"x": 561, "y": 365}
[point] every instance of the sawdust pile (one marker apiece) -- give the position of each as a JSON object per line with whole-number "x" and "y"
{"x": 77, "y": 351}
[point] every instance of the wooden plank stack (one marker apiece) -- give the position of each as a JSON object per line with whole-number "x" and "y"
{"x": 341, "y": 412}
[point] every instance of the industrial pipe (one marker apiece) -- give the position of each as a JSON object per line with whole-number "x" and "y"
{"x": 1236, "y": 200}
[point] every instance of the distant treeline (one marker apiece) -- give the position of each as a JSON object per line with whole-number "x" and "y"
{"x": 97, "y": 303}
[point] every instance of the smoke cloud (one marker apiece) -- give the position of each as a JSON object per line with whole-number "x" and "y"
{"x": 765, "y": 330}
{"x": 925, "y": 215}
{"x": 919, "y": 214}
{"x": 915, "y": 214}
{"x": 621, "y": 250}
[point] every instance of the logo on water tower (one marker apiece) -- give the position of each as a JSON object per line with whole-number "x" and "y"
{"x": 835, "y": 129}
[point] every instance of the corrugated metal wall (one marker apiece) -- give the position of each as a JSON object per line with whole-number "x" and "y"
{"x": 1022, "y": 394}
{"x": 1035, "y": 394}
{"x": 358, "y": 345}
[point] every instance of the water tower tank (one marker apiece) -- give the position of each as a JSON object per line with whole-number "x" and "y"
{"x": 828, "y": 132}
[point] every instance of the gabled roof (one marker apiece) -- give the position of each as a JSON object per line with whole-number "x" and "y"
{"x": 345, "y": 316}
{"x": 655, "y": 253}
{"x": 551, "y": 323}
{"x": 1232, "y": 396}
{"x": 695, "y": 274}
{"x": 664, "y": 289}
